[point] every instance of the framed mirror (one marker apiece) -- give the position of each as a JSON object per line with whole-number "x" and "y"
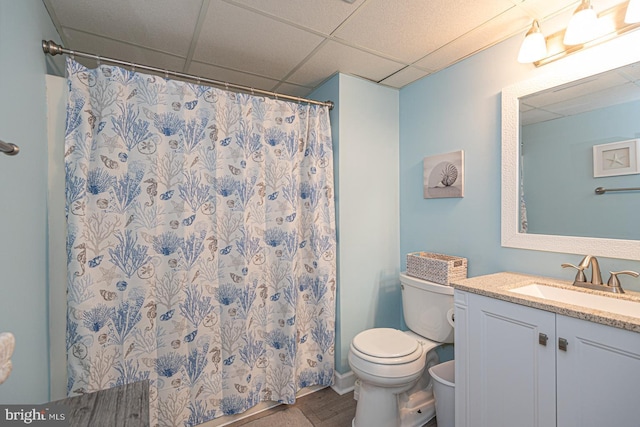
{"x": 531, "y": 111}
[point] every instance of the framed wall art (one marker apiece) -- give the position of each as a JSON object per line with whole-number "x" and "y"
{"x": 616, "y": 158}
{"x": 444, "y": 175}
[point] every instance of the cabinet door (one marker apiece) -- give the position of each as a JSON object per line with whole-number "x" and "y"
{"x": 511, "y": 375}
{"x": 598, "y": 375}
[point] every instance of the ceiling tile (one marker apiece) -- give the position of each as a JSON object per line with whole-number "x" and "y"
{"x": 631, "y": 72}
{"x": 535, "y": 116}
{"x": 541, "y": 9}
{"x": 231, "y": 76}
{"x": 319, "y": 15}
{"x": 122, "y": 51}
{"x": 164, "y": 25}
{"x": 409, "y": 30}
{"x": 236, "y": 38}
{"x": 334, "y": 57}
{"x": 587, "y": 94}
{"x": 501, "y": 28}
{"x": 524, "y": 107}
{"x": 294, "y": 90}
{"x": 575, "y": 90}
{"x": 613, "y": 96}
{"x": 404, "y": 77}
{"x": 580, "y": 101}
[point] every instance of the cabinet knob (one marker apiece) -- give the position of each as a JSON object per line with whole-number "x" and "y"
{"x": 562, "y": 344}
{"x": 542, "y": 339}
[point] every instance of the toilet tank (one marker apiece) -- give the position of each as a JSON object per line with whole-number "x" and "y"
{"x": 428, "y": 308}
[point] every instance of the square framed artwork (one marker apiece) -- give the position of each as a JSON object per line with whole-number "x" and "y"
{"x": 616, "y": 158}
{"x": 443, "y": 175}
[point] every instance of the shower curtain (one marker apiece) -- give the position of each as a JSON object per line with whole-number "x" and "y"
{"x": 201, "y": 243}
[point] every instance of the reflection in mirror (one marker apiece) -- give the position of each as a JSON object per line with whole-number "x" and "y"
{"x": 562, "y": 134}
{"x": 559, "y": 128}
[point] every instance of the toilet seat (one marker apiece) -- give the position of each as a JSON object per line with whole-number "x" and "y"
{"x": 386, "y": 346}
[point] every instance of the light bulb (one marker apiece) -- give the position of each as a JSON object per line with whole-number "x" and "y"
{"x": 582, "y": 26}
{"x": 534, "y": 46}
{"x": 633, "y": 12}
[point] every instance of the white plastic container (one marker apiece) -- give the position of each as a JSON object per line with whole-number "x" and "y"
{"x": 444, "y": 391}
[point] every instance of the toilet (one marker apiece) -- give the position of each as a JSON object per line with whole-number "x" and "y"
{"x": 392, "y": 366}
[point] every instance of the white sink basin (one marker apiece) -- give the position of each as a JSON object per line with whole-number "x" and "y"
{"x": 582, "y": 299}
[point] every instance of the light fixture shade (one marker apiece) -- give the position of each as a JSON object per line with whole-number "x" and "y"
{"x": 633, "y": 12}
{"x": 534, "y": 46}
{"x": 582, "y": 26}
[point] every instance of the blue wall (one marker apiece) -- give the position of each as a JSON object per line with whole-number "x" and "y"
{"x": 559, "y": 189}
{"x": 23, "y": 210}
{"x": 460, "y": 108}
{"x": 365, "y": 131}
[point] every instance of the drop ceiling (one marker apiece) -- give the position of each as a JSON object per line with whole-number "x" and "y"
{"x": 607, "y": 89}
{"x": 292, "y": 46}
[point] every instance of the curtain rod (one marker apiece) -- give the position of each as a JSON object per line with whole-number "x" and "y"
{"x": 53, "y": 49}
{"x": 8, "y": 148}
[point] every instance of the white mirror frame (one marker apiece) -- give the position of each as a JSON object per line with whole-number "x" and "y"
{"x": 616, "y": 53}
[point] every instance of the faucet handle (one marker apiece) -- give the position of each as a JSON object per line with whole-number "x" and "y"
{"x": 615, "y": 283}
{"x": 580, "y": 274}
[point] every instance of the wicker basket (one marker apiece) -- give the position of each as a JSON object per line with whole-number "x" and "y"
{"x": 437, "y": 268}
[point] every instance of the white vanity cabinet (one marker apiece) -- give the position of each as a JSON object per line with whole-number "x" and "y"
{"x": 511, "y": 372}
{"x": 598, "y": 376}
{"x": 504, "y": 376}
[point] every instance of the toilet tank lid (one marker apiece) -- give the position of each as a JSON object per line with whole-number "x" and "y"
{"x": 385, "y": 342}
{"x": 425, "y": 285}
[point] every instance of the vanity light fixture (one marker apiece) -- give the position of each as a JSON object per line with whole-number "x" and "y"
{"x": 633, "y": 12}
{"x": 534, "y": 46}
{"x": 607, "y": 25}
{"x": 582, "y": 25}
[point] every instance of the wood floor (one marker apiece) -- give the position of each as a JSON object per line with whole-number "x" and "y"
{"x": 324, "y": 408}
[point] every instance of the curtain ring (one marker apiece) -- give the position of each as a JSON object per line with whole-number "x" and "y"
{"x": 99, "y": 61}
{"x": 198, "y": 81}
{"x": 275, "y": 94}
{"x": 133, "y": 67}
{"x": 73, "y": 55}
{"x": 166, "y": 74}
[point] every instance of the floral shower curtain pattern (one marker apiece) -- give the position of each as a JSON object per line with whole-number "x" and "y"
{"x": 201, "y": 243}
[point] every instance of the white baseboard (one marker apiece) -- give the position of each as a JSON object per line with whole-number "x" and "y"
{"x": 343, "y": 383}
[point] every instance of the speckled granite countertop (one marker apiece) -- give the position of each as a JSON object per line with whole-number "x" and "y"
{"x": 498, "y": 286}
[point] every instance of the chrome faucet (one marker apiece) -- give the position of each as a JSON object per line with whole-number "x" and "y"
{"x": 596, "y": 276}
{"x": 613, "y": 285}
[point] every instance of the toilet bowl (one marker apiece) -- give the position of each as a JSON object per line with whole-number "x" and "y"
{"x": 392, "y": 366}
{"x": 388, "y": 364}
